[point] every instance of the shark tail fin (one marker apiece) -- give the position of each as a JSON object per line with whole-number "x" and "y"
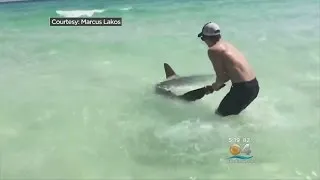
{"x": 169, "y": 71}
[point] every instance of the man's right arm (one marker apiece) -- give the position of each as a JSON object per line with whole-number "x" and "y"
{"x": 217, "y": 62}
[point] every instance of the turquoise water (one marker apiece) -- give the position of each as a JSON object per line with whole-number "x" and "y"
{"x": 78, "y": 102}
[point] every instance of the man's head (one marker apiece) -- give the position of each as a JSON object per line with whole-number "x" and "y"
{"x": 210, "y": 33}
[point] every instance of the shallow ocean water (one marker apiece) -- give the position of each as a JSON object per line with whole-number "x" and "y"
{"x": 78, "y": 102}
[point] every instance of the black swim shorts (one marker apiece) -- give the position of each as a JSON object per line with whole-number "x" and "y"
{"x": 238, "y": 98}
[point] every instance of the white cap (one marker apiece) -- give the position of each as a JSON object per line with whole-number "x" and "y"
{"x": 210, "y": 29}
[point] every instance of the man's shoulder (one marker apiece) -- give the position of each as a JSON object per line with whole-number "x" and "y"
{"x": 216, "y": 49}
{"x": 219, "y": 47}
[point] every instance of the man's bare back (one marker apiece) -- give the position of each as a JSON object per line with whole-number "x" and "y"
{"x": 229, "y": 64}
{"x": 235, "y": 64}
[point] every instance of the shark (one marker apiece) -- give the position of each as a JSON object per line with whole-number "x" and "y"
{"x": 173, "y": 83}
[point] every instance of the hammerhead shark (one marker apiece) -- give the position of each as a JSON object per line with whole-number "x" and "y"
{"x": 172, "y": 79}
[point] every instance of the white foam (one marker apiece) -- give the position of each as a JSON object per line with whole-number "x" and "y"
{"x": 79, "y": 13}
{"x": 1, "y": 1}
{"x": 106, "y": 62}
{"x": 262, "y": 38}
{"x": 126, "y": 9}
{"x": 298, "y": 173}
{"x": 52, "y": 52}
{"x": 312, "y": 77}
{"x": 314, "y": 173}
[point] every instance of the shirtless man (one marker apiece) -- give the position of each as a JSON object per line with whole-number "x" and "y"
{"x": 229, "y": 64}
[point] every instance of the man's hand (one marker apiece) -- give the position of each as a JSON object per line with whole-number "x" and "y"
{"x": 213, "y": 87}
{"x": 217, "y": 86}
{"x": 209, "y": 89}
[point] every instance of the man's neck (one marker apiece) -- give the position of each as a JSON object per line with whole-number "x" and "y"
{"x": 213, "y": 43}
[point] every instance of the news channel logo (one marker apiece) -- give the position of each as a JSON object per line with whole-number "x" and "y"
{"x": 239, "y": 153}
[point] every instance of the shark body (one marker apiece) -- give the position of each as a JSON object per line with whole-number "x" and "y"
{"x": 174, "y": 81}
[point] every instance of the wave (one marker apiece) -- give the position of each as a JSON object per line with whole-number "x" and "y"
{"x": 79, "y": 13}
{"x": 11, "y": 0}
{"x": 125, "y": 9}
{"x": 7, "y": 1}
{"x": 22, "y": 1}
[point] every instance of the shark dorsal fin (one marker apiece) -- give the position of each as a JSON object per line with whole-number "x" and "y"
{"x": 169, "y": 71}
